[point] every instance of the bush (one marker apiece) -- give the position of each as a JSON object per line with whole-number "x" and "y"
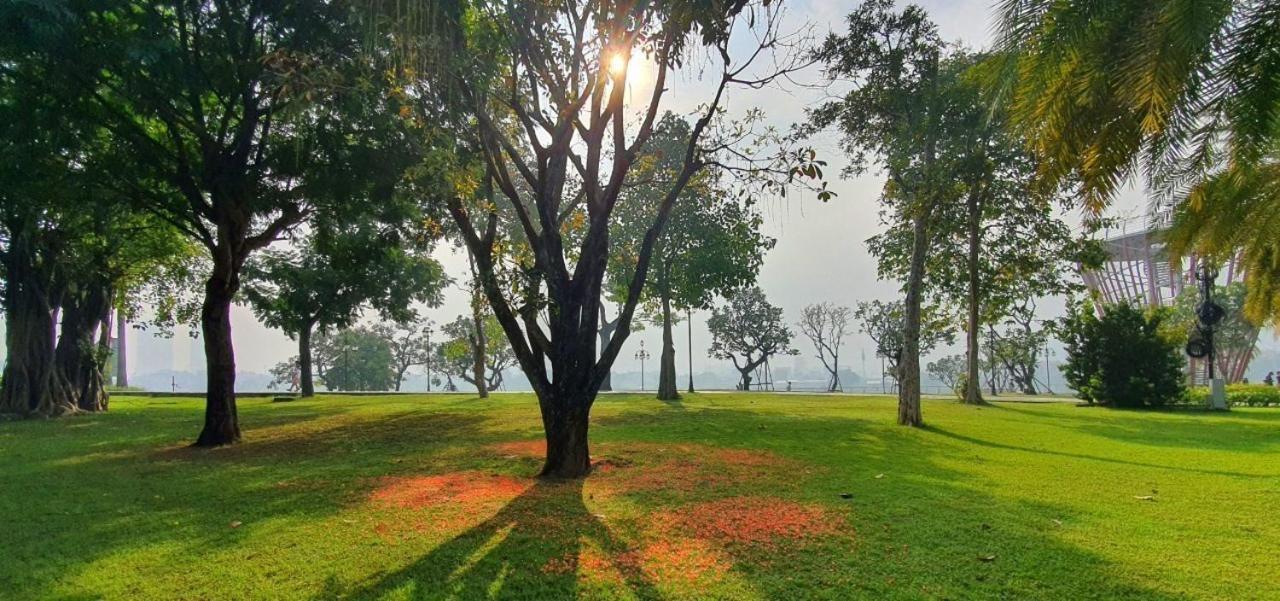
{"x": 1122, "y": 359}
{"x": 1239, "y": 395}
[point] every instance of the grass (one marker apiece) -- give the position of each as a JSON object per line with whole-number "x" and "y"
{"x": 715, "y": 497}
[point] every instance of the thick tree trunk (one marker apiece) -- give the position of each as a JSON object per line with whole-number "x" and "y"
{"x": 122, "y": 362}
{"x": 29, "y": 335}
{"x": 909, "y": 365}
{"x": 221, "y": 423}
{"x": 667, "y": 368}
{"x": 305, "y": 369}
{"x": 565, "y": 419}
{"x": 972, "y": 393}
{"x": 77, "y": 382}
{"x": 746, "y": 380}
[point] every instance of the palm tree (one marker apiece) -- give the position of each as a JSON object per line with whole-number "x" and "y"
{"x": 1187, "y": 91}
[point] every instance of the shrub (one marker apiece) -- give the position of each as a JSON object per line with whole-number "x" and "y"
{"x": 1122, "y": 359}
{"x": 1251, "y": 395}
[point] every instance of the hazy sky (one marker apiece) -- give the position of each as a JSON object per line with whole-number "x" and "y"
{"x": 820, "y": 255}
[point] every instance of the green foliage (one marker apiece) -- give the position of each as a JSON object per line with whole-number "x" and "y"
{"x": 883, "y": 323}
{"x": 706, "y": 215}
{"x": 1238, "y": 395}
{"x": 326, "y": 279}
{"x": 1122, "y": 359}
{"x": 354, "y": 359}
{"x": 1189, "y": 90}
{"x": 949, "y": 370}
{"x": 748, "y": 330}
{"x": 455, "y": 355}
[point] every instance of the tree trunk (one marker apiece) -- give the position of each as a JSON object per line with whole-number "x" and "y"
{"x": 606, "y": 333}
{"x": 305, "y": 371}
{"x": 478, "y": 347}
{"x": 565, "y": 419}
{"x": 29, "y": 335}
{"x": 77, "y": 382}
{"x": 122, "y": 362}
{"x": 835, "y": 372}
{"x": 688, "y": 316}
{"x": 909, "y": 365}
{"x": 667, "y": 361}
{"x": 221, "y": 424}
{"x": 746, "y": 380}
{"x": 992, "y": 384}
{"x": 972, "y": 393}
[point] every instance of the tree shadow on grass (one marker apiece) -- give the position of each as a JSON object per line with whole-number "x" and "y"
{"x": 141, "y": 497}
{"x": 921, "y": 529}
{"x": 1244, "y": 431}
{"x": 531, "y": 548}
{"x": 1009, "y": 447}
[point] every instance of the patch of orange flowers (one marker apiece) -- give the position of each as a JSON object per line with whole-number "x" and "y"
{"x": 687, "y": 560}
{"x": 753, "y": 520}
{"x": 463, "y": 489}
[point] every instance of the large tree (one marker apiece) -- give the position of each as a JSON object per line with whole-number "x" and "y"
{"x": 998, "y": 240}
{"x": 226, "y": 103}
{"x": 71, "y": 244}
{"x": 706, "y": 216}
{"x": 551, "y": 120}
{"x": 748, "y": 331}
{"x": 895, "y": 115}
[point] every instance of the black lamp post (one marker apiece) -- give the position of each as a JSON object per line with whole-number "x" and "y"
{"x": 1208, "y": 315}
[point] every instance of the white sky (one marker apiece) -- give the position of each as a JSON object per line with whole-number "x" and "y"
{"x": 820, "y": 255}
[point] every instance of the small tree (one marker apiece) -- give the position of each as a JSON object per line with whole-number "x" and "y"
{"x": 884, "y": 323}
{"x": 327, "y": 280}
{"x": 410, "y": 347}
{"x": 751, "y": 328}
{"x": 1121, "y": 359}
{"x": 462, "y": 355}
{"x": 826, "y": 326}
{"x": 354, "y": 359}
{"x": 951, "y": 371}
{"x": 706, "y": 216}
{"x": 286, "y": 374}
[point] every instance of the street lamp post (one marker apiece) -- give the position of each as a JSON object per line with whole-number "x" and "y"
{"x": 642, "y": 355}
{"x": 427, "y": 332}
{"x": 1208, "y": 315}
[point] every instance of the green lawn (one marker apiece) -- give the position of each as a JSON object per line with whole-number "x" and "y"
{"x": 717, "y": 497}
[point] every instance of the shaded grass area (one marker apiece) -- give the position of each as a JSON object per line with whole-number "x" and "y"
{"x": 746, "y": 496}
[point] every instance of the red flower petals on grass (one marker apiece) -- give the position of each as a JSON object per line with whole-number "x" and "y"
{"x": 752, "y": 520}
{"x": 521, "y": 448}
{"x": 687, "y": 560}
{"x": 463, "y": 489}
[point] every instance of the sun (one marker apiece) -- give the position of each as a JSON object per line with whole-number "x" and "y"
{"x": 617, "y": 64}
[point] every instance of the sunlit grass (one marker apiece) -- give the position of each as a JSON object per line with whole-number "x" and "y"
{"x": 715, "y": 497}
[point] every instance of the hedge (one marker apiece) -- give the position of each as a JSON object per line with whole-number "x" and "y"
{"x": 1239, "y": 395}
